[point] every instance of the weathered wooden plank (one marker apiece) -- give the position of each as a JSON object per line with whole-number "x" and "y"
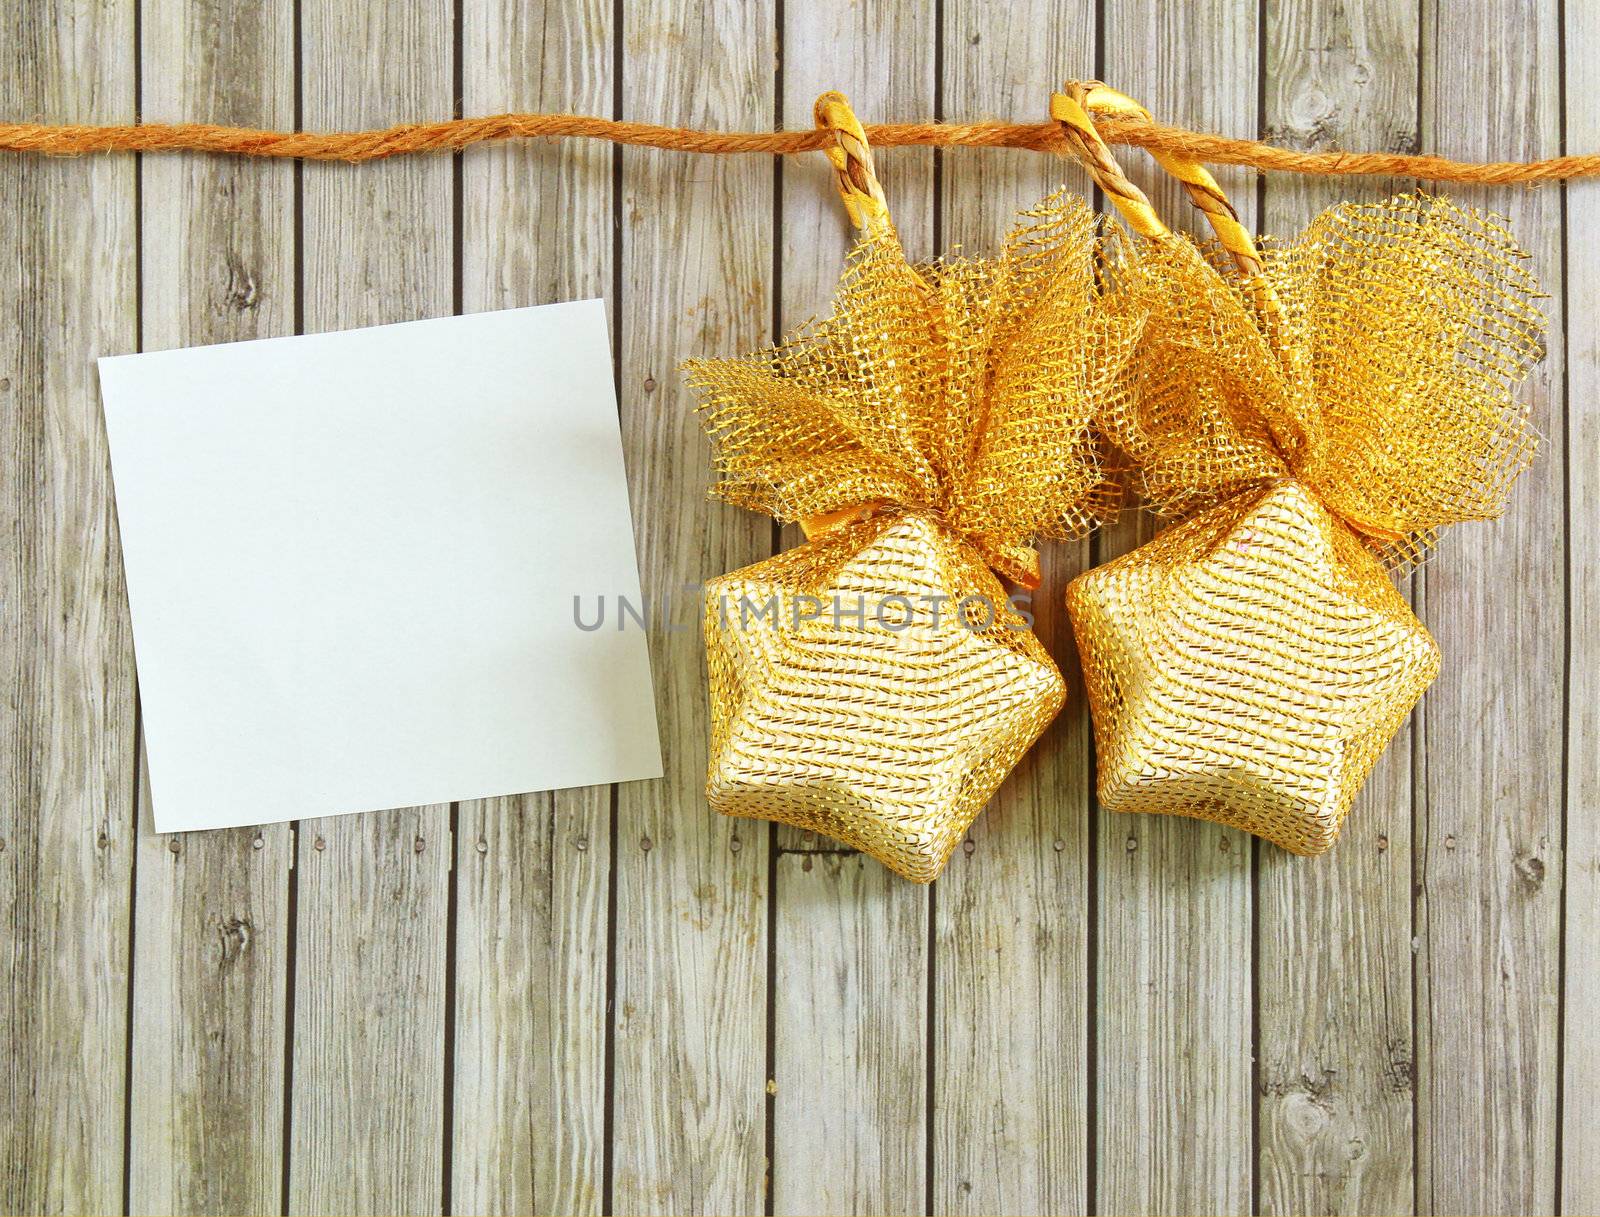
{"x": 1173, "y": 1035}
{"x": 850, "y": 990}
{"x": 1011, "y": 1125}
{"x": 207, "y": 1101}
{"x": 1580, "y": 1133}
{"x": 367, "y": 1101}
{"x": 850, "y": 1028}
{"x": 530, "y": 1004}
{"x": 691, "y": 979}
{"x": 1489, "y": 792}
{"x": 533, "y": 875}
{"x": 1335, "y": 1058}
{"x": 67, "y": 734}
{"x": 367, "y": 1111}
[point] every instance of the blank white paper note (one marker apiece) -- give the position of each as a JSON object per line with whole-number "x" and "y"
{"x": 352, "y": 561}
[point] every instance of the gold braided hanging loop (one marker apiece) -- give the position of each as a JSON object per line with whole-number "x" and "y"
{"x": 851, "y": 158}
{"x": 876, "y": 683}
{"x": 1096, "y": 97}
{"x": 1309, "y": 412}
{"x": 1069, "y": 110}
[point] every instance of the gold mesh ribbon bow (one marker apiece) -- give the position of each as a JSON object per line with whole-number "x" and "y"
{"x": 1310, "y": 413}
{"x": 876, "y": 684}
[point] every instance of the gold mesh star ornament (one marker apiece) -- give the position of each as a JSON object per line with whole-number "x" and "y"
{"x": 876, "y": 684}
{"x": 1311, "y": 413}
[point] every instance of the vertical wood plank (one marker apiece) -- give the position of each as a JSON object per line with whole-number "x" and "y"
{"x": 851, "y": 1037}
{"x": 207, "y": 1098}
{"x": 689, "y": 1094}
{"x": 367, "y": 1112}
{"x": 1011, "y": 1125}
{"x": 850, "y": 989}
{"x": 1174, "y": 971}
{"x": 533, "y": 872}
{"x": 530, "y": 1004}
{"x": 1580, "y": 1133}
{"x": 207, "y": 1104}
{"x": 369, "y": 1028}
{"x": 1489, "y": 791}
{"x": 67, "y": 729}
{"x": 1334, "y": 933}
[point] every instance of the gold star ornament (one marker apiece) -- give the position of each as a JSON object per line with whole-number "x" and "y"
{"x": 1310, "y": 414}
{"x": 1248, "y": 666}
{"x": 865, "y": 687}
{"x": 878, "y": 682}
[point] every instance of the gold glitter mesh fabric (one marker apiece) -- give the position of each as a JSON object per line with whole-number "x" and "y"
{"x": 1308, "y": 426}
{"x": 927, "y": 432}
{"x": 962, "y": 388}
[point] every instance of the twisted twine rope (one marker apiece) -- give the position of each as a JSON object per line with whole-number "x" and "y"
{"x": 1130, "y": 128}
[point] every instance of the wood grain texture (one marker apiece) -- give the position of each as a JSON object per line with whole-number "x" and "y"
{"x": 851, "y": 1031}
{"x": 207, "y": 1101}
{"x": 367, "y": 1120}
{"x": 691, "y": 981}
{"x": 851, "y": 948}
{"x": 1011, "y": 1123}
{"x": 67, "y": 295}
{"x": 1091, "y": 1020}
{"x": 1335, "y": 1055}
{"x": 529, "y": 1103}
{"x": 533, "y": 873}
{"x": 1489, "y": 789}
{"x": 1580, "y": 1132}
{"x": 1174, "y": 1071}
{"x": 211, "y": 952}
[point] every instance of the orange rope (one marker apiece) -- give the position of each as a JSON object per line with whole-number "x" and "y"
{"x": 459, "y": 133}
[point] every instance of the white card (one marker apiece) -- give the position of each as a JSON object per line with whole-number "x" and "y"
{"x": 352, "y": 561}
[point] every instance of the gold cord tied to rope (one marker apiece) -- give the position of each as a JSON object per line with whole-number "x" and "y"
{"x": 1308, "y": 412}
{"x": 925, "y": 434}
